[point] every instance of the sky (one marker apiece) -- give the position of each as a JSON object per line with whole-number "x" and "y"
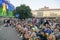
{"x": 36, "y": 4}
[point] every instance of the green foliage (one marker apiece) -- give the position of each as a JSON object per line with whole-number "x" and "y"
{"x": 24, "y": 11}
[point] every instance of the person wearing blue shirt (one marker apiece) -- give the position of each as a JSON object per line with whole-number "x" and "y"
{"x": 48, "y": 30}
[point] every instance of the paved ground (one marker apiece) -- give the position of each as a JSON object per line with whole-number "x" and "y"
{"x": 8, "y": 33}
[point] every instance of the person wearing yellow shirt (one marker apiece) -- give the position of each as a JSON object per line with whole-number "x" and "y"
{"x": 4, "y": 9}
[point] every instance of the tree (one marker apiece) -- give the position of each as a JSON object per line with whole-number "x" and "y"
{"x": 23, "y": 11}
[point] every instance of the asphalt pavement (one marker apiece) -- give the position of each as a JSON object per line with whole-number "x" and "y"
{"x": 8, "y": 33}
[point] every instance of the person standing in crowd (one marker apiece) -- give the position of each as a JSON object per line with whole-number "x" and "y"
{"x": 42, "y": 35}
{"x": 56, "y": 33}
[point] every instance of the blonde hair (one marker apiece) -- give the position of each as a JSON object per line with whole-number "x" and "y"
{"x": 51, "y": 37}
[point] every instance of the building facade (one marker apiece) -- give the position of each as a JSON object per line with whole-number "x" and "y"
{"x": 46, "y": 12}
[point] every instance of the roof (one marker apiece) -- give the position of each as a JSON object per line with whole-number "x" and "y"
{"x": 47, "y": 9}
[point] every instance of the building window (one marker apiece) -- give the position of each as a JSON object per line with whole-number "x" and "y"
{"x": 40, "y": 14}
{"x": 53, "y": 15}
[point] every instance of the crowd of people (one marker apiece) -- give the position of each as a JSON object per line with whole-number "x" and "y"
{"x": 36, "y": 28}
